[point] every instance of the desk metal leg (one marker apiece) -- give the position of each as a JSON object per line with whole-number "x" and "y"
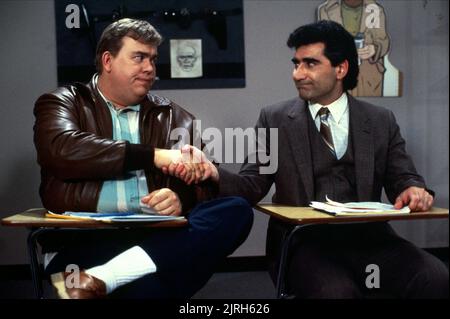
{"x": 34, "y": 261}
{"x": 281, "y": 293}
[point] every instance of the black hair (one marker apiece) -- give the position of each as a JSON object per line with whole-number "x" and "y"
{"x": 339, "y": 46}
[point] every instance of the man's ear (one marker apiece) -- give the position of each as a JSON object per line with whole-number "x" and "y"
{"x": 107, "y": 61}
{"x": 341, "y": 70}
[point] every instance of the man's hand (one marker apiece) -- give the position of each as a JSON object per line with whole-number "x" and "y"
{"x": 164, "y": 201}
{"x": 165, "y": 157}
{"x": 418, "y": 199}
{"x": 194, "y": 168}
{"x": 190, "y": 162}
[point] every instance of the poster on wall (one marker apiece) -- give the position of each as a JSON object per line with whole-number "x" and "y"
{"x": 186, "y": 58}
{"x": 203, "y": 43}
{"x": 366, "y": 21}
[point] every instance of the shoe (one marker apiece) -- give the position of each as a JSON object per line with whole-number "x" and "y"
{"x": 89, "y": 286}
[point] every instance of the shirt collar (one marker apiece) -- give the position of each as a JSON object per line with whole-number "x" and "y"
{"x": 135, "y": 108}
{"x": 337, "y": 108}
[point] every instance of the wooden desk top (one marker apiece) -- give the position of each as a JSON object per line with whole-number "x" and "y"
{"x": 308, "y": 215}
{"x": 36, "y": 218}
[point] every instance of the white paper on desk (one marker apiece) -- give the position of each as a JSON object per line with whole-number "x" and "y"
{"x": 358, "y": 208}
{"x": 139, "y": 218}
{"x": 122, "y": 217}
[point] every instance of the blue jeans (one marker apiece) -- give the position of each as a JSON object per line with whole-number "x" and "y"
{"x": 185, "y": 257}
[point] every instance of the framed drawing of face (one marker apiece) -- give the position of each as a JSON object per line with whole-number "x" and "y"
{"x": 186, "y": 58}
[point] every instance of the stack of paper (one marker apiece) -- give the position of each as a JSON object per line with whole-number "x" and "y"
{"x": 114, "y": 217}
{"x": 358, "y": 208}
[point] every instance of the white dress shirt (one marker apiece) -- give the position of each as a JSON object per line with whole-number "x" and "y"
{"x": 338, "y": 121}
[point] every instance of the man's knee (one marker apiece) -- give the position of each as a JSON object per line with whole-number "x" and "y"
{"x": 231, "y": 204}
{"x": 430, "y": 281}
{"x": 236, "y": 216}
{"x": 243, "y": 214}
{"x": 228, "y": 216}
{"x": 233, "y": 209}
{"x": 315, "y": 273}
{"x": 239, "y": 209}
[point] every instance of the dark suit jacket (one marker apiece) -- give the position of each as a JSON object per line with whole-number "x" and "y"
{"x": 379, "y": 153}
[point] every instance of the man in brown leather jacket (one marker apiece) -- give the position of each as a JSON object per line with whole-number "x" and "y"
{"x": 100, "y": 147}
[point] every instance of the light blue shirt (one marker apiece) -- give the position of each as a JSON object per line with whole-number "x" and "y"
{"x": 123, "y": 194}
{"x": 338, "y": 121}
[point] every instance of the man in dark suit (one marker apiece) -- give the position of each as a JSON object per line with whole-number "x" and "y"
{"x": 331, "y": 144}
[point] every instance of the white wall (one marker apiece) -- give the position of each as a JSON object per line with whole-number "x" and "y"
{"x": 418, "y": 31}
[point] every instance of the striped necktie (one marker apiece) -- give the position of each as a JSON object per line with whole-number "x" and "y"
{"x": 325, "y": 130}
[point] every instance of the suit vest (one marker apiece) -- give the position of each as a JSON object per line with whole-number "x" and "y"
{"x": 332, "y": 177}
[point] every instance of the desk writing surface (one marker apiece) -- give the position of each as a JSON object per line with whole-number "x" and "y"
{"x": 308, "y": 215}
{"x": 36, "y": 218}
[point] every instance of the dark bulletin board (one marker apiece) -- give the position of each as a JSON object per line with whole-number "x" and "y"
{"x": 217, "y": 24}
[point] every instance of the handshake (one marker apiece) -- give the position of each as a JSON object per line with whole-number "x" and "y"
{"x": 188, "y": 164}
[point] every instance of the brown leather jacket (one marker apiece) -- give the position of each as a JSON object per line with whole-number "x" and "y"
{"x": 73, "y": 139}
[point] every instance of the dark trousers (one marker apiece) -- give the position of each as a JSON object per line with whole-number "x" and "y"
{"x": 185, "y": 257}
{"x": 330, "y": 261}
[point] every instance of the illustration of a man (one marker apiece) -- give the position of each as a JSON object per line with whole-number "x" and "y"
{"x": 365, "y": 20}
{"x": 185, "y": 58}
